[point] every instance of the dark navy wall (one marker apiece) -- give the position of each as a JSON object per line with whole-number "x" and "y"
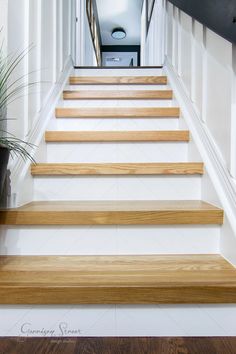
{"x": 218, "y": 15}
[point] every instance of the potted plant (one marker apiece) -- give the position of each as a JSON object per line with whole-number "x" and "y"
{"x": 10, "y": 90}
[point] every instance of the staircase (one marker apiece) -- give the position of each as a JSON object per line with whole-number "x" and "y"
{"x": 117, "y": 205}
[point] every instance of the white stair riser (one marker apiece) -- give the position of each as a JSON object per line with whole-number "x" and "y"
{"x": 117, "y": 188}
{"x": 117, "y": 152}
{"x": 118, "y": 320}
{"x": 116, "y": 103}
{"x": 94, "y": 124}
{"x": 117, "y": 87}
{"x": 118, "y": 72}
{"x": 110, "y": 240}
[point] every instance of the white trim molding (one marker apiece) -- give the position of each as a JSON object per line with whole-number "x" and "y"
{"x": 20, "y": 168}
{"x": 215, "y": 165}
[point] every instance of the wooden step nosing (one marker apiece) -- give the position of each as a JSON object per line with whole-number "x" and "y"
{"x": 117, "y": 136}
{"x": 118, "y": 112}
{"x": 118, "y": 80}
{"x": 165, "y": 212}
{"x": 92, "y": 295}
{"x": 60, "y": 169}
{"x": 151, "y": 217}
{"x": 118, "y": 95}
{"x": 164, "y": 262}
{"x": 140, "y": 279}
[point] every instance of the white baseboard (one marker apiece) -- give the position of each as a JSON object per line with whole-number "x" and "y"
{"x": 20, "y": 168}
{"x": 215, "y": 166}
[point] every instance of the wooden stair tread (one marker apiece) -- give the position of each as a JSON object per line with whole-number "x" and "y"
{"x": 118, "y": 95}
{"x": 116, "y": 279}
{"x": 122, "y": 136}
{"x": 164, "y": 212}
{"x": 121, "y": 80}
{"x": 171, "y": 168}
{"x": 118, "y": 112}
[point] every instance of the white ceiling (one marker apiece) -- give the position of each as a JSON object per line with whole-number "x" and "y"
{"x": 120, "y": 13}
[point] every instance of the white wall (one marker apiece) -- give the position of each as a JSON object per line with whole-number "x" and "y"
{"x": 153, "y": 41}
{"x": 84, "y": 53}
{"x": 203, "y": 65}
{"x": 49, "y": 32}
{"x": 46, "y": 26}
{"x": 43, "y": 26}
{"x": 43, "y": 29}
{"x": 3, "y": 19}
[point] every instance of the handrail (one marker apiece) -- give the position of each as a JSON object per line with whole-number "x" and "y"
{"x": 92, "y": 14}
{"x": 149, "y": 12}
{"x": 217, "y": 15}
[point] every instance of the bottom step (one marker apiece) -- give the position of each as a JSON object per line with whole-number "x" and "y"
{"x": 160, "y": 212}
{"x": 116, "y": 280}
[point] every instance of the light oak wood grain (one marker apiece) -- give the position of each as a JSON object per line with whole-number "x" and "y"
{"x": 118, "y": 112}
{"x": 116, "y": 136}
{"x": 118, "y": 95}
{"x": 113, "y": 213}
{"x": 121, "y": 80}
{"x": 69, "y": 169}
{"x": 157, "y": 279}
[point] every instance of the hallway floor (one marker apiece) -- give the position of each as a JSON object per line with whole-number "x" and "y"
{"x": 226, "y": 345}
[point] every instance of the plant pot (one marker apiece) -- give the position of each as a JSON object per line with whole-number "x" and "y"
{"x": 4, "y": 158}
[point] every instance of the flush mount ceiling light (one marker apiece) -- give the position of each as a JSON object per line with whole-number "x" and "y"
{"x": 118, "y": 33}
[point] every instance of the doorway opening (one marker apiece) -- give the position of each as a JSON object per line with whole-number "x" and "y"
{"x": 108, "y": 32}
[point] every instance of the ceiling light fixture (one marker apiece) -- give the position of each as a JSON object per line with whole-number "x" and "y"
{"x": 118, "y": 33}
